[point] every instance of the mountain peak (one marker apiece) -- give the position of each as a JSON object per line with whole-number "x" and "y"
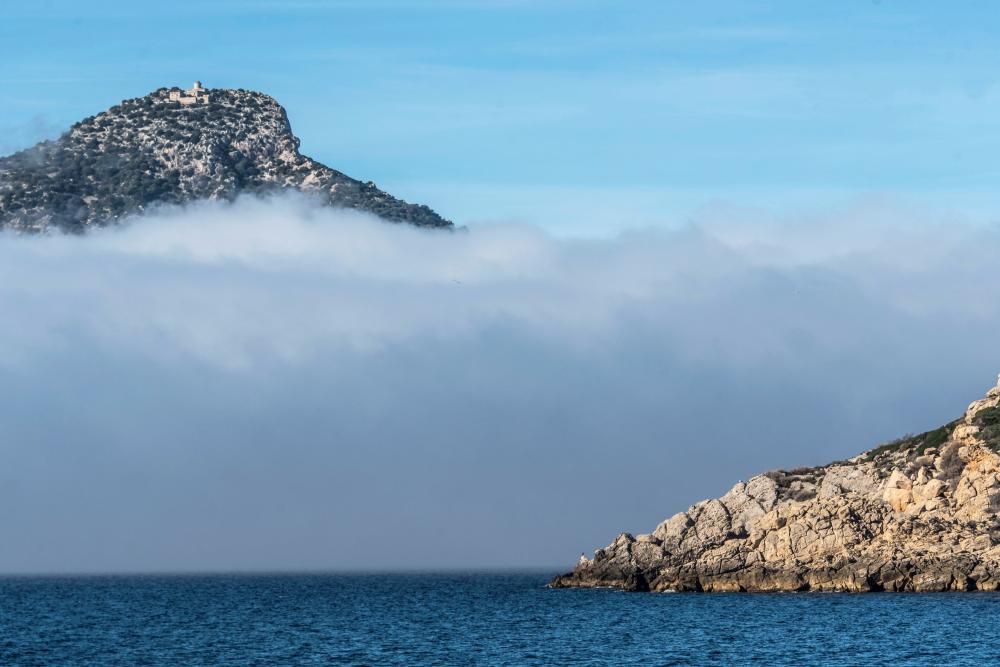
{"x": 173, "y": 146}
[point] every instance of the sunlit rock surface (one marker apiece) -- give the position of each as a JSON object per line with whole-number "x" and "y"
{"x": 917, "y": 514}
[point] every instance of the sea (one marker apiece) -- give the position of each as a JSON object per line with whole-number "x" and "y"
{"x": 474, "y": 618}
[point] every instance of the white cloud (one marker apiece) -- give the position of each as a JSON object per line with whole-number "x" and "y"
{"x": 288, "y": 382}
{"x": 281, "y": 276}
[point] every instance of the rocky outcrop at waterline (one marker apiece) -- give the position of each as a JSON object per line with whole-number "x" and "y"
{"x": 919, "y": 514}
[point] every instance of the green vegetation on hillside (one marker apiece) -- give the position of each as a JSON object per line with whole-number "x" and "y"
{"x": 988, "y": 420}
{"x": 918, "y": 443}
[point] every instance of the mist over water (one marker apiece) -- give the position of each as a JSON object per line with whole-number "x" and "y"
{"x": 273, "y": 385}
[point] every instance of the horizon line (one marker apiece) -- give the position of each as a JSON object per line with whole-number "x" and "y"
{"x": 277, "y": 572}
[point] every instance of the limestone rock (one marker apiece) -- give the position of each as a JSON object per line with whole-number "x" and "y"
{"x": 919, "y": 514}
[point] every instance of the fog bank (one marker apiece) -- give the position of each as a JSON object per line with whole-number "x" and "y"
{"x": 273, "y": 385}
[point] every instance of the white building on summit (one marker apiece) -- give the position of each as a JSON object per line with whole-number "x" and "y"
{"x": 195, "y": 95}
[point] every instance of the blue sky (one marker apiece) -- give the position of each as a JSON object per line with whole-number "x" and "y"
{"x": 582, "y": 117}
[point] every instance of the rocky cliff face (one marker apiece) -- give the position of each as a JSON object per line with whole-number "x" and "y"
{"x": 153, "y": 150}
{"x": 918, "y": 514}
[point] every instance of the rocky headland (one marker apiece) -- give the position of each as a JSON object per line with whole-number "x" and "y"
{"x": 921, "y": 513}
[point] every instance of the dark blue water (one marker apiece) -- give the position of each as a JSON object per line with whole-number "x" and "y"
{"x": 473, "y": 619}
